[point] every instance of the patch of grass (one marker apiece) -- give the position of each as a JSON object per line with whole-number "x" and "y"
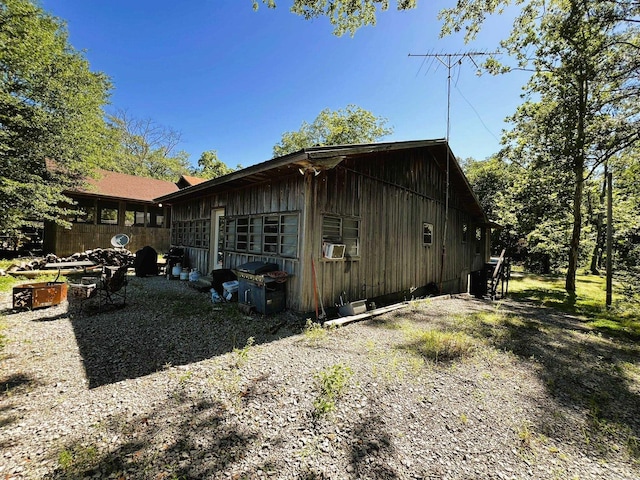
{"x": 331, "y": 383}
{"x": 242, "y": 354}
{"x": 78, "y": 458}
{"x": 390, "y": 365}
{"x": 588, "y": 303}
{"x": 440, "y": 345}
{"x": 314, "y": 333}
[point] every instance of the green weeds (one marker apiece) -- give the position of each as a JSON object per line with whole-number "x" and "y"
{"x": 331, "y": 383}
{"x": 242, "y": 354}
{"x": 314, "y": 333}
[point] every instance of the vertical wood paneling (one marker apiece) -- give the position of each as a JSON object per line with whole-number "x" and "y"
{"x": 381, "y": 190}
{"x": 83, "y": 237}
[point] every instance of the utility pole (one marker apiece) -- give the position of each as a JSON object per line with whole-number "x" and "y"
{"x": 449, "y": 60}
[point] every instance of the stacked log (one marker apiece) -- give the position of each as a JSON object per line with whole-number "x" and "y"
{"x": 22, "y": 298}
{"x": 112, "y": 257}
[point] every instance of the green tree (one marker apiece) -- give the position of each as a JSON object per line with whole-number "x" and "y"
{"x": 582, "y": 105}
{"x": 145, "y": 148}
{"x": 209, "y": 166}
{"x": 344, "y": 15}
{"x": 341, "y": 127}
{"x": 50, "y": 107}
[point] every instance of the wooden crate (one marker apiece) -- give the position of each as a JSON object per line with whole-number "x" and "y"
{"x": 39, "y": 295}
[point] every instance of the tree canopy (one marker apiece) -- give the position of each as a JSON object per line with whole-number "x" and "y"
{"x": 344, "y": 15}
{"x": 209, "y": 166}
{"x": 145, "y": 148}
{"x": 582, "y": 107}
{"x": 50, "y": 107}
{"x": 341, "y": 127}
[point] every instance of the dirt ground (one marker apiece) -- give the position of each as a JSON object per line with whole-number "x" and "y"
{"x": 174, "y": 387}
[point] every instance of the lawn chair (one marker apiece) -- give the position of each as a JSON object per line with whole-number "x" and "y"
{"x": 112, "y": 288}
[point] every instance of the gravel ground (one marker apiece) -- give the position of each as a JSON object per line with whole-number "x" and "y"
{"x": 173, "y": 387}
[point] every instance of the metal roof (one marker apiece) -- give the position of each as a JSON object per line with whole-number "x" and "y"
{"x": 323, "y": 158}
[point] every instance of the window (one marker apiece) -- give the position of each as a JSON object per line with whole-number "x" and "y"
{"x": 107, "y": 213}
{"x": 192, "y": 233}
{"x": 255, "y": 234}
{"x": 156, "y": 217}
{"x": 465, "y": 233}
{"x": 85, "y": 212}
{"x": 275, "y": 234}
{"x": 135, "y": 216}
{"x": 427, "y": 234}
{"x": 478, "y": 240}
{"x": 345, "y": 230}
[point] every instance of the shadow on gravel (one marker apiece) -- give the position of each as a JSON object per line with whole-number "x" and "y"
{"x": 166, "y": 323}
{"x": 593, "y": 379}
{"x": 371, "y": 447}
{"x": 188, "y": 437}
{"x": 584, "y": 371}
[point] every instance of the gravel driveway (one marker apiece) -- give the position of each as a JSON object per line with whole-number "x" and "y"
{"x": 174, "y": 387}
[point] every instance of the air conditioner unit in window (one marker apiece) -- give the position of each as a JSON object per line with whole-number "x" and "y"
{"x": 333, "y": 251}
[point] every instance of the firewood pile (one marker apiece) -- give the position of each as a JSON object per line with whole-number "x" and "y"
{"x": 22, "y": 298}
{"x": 113, "y": 257}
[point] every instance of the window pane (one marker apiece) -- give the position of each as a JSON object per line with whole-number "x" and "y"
{"x": 255, "y": 234}
{"x": 332, "y": 229}
{"x": 230, "y": 234}
{"x": 289, "y": 235}
{"x": 108, "y": 213}
{"x": 86, "y": 212}
{"x": 351, "y": 236}
{"x": 427, "y": 233}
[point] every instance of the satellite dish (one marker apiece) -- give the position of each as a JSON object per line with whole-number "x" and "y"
{"x": 120, "y": 240}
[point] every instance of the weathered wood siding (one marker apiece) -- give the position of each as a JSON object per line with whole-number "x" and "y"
{"x": 392, "y": 194}
{"x": 283, "y": 195}
{"x": 82, "y": 236}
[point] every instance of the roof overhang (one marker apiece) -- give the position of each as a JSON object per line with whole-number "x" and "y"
{"x": 317, "y": 159}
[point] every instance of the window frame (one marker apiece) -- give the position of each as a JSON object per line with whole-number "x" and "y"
{"x": 270, "y": 234}
{"x": 343, "y": 229}
{"x": 427, "y": 230}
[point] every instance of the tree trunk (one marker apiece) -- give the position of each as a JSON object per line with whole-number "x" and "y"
{"x": 596, "y": 256}
{"x": 574, "y": 245}
{"x": 578, "y": 171}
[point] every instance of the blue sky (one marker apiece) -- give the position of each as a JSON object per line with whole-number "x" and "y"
{"x": 234, "y": 80}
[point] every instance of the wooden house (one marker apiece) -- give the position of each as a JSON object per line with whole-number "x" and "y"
{"x": 372, "y": 219}
{"x": 110, "y": 204}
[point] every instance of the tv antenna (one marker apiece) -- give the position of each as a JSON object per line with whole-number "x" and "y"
{"x": 449, "y": 60}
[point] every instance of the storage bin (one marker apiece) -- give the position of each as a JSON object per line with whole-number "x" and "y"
{"x": 230, "y": 290}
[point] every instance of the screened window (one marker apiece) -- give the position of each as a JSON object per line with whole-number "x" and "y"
{"x": 345, "y": 230}
{"x": 275, "y": 234}
{"x": 478, "y": 240}
{"x": 107, "y": 213}
{"x": 156, "y": 217}
{"x": 135, "y": 216}
{"x": 427, "y": 234}
{"x": 85, "y": 212}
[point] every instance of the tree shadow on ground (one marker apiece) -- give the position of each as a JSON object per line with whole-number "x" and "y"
{"x": 371, "y": 446}
{"x": 190, "y": 436}
{"x": 163, "y": 324}
{"x": 585, "y": 372}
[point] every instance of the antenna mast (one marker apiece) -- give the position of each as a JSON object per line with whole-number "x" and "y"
{"x": 449, "y": 60}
